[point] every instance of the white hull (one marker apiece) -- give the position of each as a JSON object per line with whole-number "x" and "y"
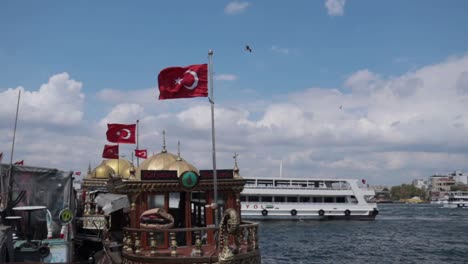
{"x": 310, "y": 199}
{"x": 457, "y": 200}
{"x": 306, "y": 211}
{"x": 456, "y": 205}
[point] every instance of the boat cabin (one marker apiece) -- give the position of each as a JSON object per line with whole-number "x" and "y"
{"x": 172, "y": 214}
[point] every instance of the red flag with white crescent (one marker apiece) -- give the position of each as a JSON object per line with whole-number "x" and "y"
{"x": 183, "y": 82}
{"x": 141, "y": 153}
{"x": 110, "y": 152}
{"x": 121, "y": 133}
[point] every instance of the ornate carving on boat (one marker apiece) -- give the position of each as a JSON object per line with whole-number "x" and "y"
{"x": 156, "y": 218}
{"x": 230, "y": 227}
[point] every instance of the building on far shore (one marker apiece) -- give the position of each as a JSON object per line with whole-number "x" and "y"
{"x": 420, "y": 183}
{"x": 440, "y": 185}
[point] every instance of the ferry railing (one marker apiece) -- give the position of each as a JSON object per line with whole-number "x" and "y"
{"x": 190, "y": 242}
{"x": 299, "y": 188}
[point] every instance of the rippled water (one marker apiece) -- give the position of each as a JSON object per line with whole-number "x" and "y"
{"x": 401, "y": 233}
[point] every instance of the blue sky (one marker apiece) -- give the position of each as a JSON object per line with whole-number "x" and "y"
{"x": 112, "y": 51}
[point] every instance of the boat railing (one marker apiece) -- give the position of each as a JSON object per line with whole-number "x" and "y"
{"x": 307, "y": 203}
{"x": 184, "y": 242}
{"x": 251, "y": 186}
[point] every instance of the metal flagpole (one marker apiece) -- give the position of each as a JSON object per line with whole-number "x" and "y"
{"x": 10, "y": 179}
{"x": 211, "y": 99}
{"x": 137, "y": 146}
{"x": 2, "y": 192}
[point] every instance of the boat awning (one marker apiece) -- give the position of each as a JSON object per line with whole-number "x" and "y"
{"x": 112, "y": 202}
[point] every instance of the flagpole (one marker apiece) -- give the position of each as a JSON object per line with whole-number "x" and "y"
{"x": 211, "y": 99}
{"x": 137, "y": 146}
{"x": 10, "y": 179}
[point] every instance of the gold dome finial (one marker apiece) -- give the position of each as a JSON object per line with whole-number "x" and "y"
{"x": 132, "y": 172}
{"x": 164, "y": 142}
{"x": 178, "y": 151}
{"x": 236, "y": 168}
{"x": 89, "y": 168}
{"x": 235, "y": 162}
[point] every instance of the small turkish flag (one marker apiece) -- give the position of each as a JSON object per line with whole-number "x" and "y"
{"x": 363, "y": 181}
{"x": 183, "y": 82}
{"x": 141, "y": 153}
{"x": 21, "y": 162}
{"x": 111, "y": 152}
{"x": 121, "y": 133}
{"x": 78, "y": 173}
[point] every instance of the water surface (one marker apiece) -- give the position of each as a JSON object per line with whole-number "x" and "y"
{"x": 401, "y": 233}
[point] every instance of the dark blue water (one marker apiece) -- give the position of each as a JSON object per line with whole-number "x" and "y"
{"x": 401, "y": 233}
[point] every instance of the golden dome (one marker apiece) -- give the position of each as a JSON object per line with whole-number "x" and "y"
{"x": 121, "y": 167}
{"x": 102, "y": 171}
{"x": 182, "y": 166}
{"x": 165, "y": 161}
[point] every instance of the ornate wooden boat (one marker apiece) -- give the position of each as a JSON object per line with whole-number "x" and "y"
{"x": 172, "y": 217}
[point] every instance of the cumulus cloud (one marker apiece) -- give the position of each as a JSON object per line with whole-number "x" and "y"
{"x": 335, "y": 7}
{"x": 123, "y": 113}
{"x": 58, "y": 102}
{"x": 236, "y": 7}
{"x": 387, "y": 129}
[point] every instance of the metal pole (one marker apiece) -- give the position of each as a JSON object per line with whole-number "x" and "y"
{"x": 211, "y": 99}
{"x": 137, "y": 146}
{"x": 10, "y": 179}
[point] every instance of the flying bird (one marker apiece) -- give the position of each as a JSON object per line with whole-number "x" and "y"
{"x": 247, "y": 48}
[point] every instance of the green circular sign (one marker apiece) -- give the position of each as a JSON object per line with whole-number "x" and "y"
{"x": 189, "y": 179}
{"x": 65, "y": 216}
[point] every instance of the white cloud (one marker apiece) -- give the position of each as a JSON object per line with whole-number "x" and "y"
{"x": 123, "y": 113}
{"x": 236, "y": 7}
{"x": 225, "y": 77}
{"x": 387, "y": 130}
{"x": 335, "y": 7}
{"x": 58, "y": 102}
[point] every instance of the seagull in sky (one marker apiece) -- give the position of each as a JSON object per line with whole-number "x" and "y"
{"x": 247, "y": 48}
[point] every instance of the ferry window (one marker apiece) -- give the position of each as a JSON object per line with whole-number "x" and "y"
{"x": 304, "y": 199}
{"x": 174, "y": 200}
{"x": 250, "y": 182}
{"x": 265, "y": 183}
{"x": 242, "y": 198}
{"x": 340, "y": 199}
{"x": 318, "y": 200}
{"x": 316, "y": 184}
{"x": 279, "y": 199}
{"x": 329, "y": 199}
{"x": 254, "y": 198}
{"x": 267, "y": 198}
{"x": 292, "y": 199}
{"x": 155, "y": 201}
{"x": 198, "y": 196}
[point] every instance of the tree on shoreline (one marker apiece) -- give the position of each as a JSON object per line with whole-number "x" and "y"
{"x": 407, "y": 191}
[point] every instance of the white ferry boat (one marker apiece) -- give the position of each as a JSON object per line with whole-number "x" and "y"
{"x": 457, "y": 200}
{"x": 273, "y": 198}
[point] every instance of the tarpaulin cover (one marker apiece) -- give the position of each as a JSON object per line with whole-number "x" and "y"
{"x": 112, "y": 202}
{"x": 44, "y": 186}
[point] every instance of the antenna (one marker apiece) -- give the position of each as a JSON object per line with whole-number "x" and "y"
{"x": 281, "y": 169}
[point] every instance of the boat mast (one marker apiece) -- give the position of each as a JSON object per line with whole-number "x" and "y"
{"x": 10, "y": 178}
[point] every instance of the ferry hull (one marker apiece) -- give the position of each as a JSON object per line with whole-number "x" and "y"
{"x": 257, "y": 216}
{"x": 456, "y": 205}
